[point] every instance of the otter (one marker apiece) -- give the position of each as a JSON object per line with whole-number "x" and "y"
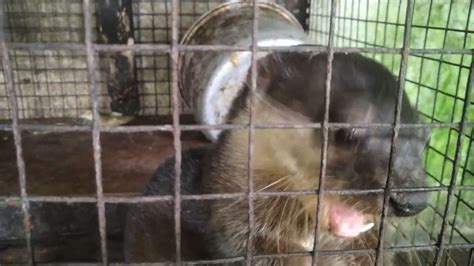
{"x": 290, "y": 90}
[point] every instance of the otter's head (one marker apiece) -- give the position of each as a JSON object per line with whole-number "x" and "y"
{"x": 362, "y": 92}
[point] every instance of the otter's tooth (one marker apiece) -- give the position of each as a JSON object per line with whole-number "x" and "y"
{"x": 366, "y": 227}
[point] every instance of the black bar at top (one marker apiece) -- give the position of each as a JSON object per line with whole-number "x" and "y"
{"x": 303, "y": 12}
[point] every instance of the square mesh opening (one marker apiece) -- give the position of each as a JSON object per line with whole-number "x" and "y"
{"x": 52, "y": 87}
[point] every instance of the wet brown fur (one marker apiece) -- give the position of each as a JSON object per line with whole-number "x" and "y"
{"x": 290, "y": 89}
{"x": 289, "y": 160}
{"x": 283, "y": 160}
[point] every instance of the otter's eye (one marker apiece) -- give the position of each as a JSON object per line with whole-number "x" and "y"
{"x": 346, "y": 135}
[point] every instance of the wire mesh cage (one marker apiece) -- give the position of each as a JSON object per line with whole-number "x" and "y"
{"x": 90, "y": 102}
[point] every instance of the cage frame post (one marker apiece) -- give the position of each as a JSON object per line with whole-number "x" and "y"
{"x": 251, "y": 131}
{"x": 457, "y": 165}
{"x": 174, "y": 54}
{"x": 325, "y": 130}
{"x": 14, "y": 113}
{"x": 164, "y": 48}
{"x": 471, "y": 257}
{"x": 176, "y": 128}
{"x": 398, "y": 110}
{"x": 469, "y": 148}
{"x": 91, "y": 70}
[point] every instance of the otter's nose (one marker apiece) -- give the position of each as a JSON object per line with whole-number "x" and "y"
{"x": 408, "y": 204}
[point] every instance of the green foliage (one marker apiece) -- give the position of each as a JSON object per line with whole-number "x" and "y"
{"x": 435, "y": 83}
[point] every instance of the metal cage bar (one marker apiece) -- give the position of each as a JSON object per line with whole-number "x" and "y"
{"x": 192, "y": 127}
{"x": 325, "y": 130}
{"x": 92, "y": 66}
{"x": 251, "y": 130}
{"x": 287, "y": 255}
{"x": 284, "y": 255}
{"x": 182, "y": 48}
{"x": 176, "y": 127}
{"x": 458, "y": 196}
{"x": 396, "y": 129}
{"x": 457, "y": 161}
{"x": 7, "y": 68}
{"x": 91, "y": 49}
{"x": 214, "y": 196}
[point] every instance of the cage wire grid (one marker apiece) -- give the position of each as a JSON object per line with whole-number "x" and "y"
{"x": 337, "y": 40}
{"x": 349, "y": 36}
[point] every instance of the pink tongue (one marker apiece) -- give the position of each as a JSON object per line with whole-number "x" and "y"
{"x": 345, "y": 221}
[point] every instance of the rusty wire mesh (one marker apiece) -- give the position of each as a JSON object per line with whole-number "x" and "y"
{"x": 67, "y": 30}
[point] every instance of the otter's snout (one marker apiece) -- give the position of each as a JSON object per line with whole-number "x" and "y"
{"x": 408, "y": 203}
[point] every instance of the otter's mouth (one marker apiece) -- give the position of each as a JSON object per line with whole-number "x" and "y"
{"x": 345, "y": 221}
